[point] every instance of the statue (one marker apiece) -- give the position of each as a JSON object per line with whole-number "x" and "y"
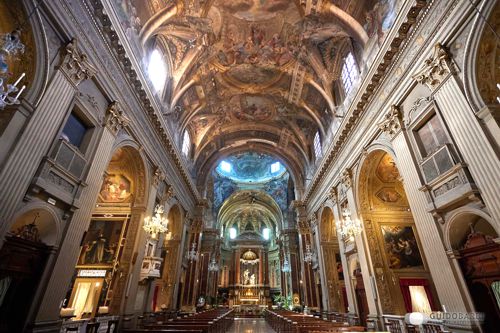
{"x": 246, "y": 278}
{"x": 252, "y": 279}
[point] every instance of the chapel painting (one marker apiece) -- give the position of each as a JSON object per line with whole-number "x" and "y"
{"x": 101, "y": 243}
{"x": 401, "y": 247}
{"x": 115, "y": 188}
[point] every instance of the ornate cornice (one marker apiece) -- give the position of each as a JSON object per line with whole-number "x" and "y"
{"x": 366, "y": 96}
{"x": 392, "y": 122}
{"x": 115, "y": 119}
{"x": 436, "y": 68}
{"x": 74, "y": 64}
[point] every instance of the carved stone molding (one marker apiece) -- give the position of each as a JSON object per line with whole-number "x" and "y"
{"x": 158, "y": 176}
{"x": 346, "y": 178}
{"x": 115, "y": 119}
{"x": 75, "y": 64}
{"x": 313, "y": 221}
{"x": 392, "y": 122}
{"x": 436, "y": 68}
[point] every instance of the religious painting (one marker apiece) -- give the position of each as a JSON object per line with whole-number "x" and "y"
{"x": 115, "y": 188}
{"x": 101, "y": 243}
{"x": 253, "y": 108}
{"x": 401, "y": 247}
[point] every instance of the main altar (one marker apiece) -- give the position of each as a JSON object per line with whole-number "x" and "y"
{"x": 249, "y": 294}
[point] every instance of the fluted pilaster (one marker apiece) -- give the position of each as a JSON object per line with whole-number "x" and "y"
{"x": 442, "y": 274}
{"x": 65, "y": 264}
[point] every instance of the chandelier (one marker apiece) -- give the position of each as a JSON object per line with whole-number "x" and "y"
{"x": 286, "y": 266}
{"x": 192, "y": 254}
{"x": 213, "y": 266}
{"x": 308, "y": 254}
{"x": 157, "y": 224}
{"x": 347, "y": 227}
{"x": 10, "y": 45}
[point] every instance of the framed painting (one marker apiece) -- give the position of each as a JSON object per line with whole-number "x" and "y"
{"x": 401, "y": 247}
{"x": 101, "y": 243}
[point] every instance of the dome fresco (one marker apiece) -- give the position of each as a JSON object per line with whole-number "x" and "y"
{"x": 250, "y": 167}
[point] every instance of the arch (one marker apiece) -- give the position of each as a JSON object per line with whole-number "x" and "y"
{"x": 48, "y": 222}
{"x": 291, "y": 165}
{"x": 175, "y": 221}
{"x": 327, "y": 232}
{"x": 137, "y": 156}
{"x": 459, "y": 222}
{"x": 472, "y": 56}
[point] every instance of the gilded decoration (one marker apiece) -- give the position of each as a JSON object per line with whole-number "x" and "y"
{"x": 487, "y": 67}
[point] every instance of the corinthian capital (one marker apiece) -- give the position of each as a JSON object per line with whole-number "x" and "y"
{"x": 346, "y": 178}
{"x": 436, "y": 68}
{"x": 75, "y": 64}
{"x": 115, "y": 119}
{"x": 392, "y": 122}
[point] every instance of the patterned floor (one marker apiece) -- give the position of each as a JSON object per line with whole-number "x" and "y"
{"x": 250, "y": 325}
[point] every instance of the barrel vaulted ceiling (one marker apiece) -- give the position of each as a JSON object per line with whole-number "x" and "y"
{"x": 260, "y": 75}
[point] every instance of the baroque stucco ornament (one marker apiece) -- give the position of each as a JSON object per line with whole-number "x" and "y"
{"x": 436, "y": 68}
{"x": 115, "y": 119}
{"x": 392, "y": 122}
{"x": 346, "y": 178}
{"x": 75, "y": 64}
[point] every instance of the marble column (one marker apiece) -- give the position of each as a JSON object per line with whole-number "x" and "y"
{"x": 439, "y": 75}
{"x": 70, "y": 248}
{"x": 325, "y": 301}
{"x": 363, "y": 251}
{"x": 443, "y": 275}
{"x": 129, "y": 298}
{"x": 349, "y": 290}
{"x": 40, "y": 131}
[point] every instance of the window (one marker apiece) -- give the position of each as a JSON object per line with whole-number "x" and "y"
{"x": 157, "y": 70}
{"x": 232, "y": 233}
{"x": 225, "y": 166}
{"x": 317, "y": 146}
{"x": 275, "y": 167}
{"x": 186, "y": 143}
{"x": 349, "y": 73}
{"x": 266, "y": 232}
{"x": 431, "y": 136}
{"x": 74, "y": 130}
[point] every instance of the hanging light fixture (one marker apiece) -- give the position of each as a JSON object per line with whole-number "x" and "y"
{"x": 157, "y": 224}
{"x": 10, "y": 46}
{"x": 213, "y": 266}
{"x": 286, "y": 266}
{"x": 192, "y": 254}
{"x": 308, "y": 254}
{"x": 347, "y": 227}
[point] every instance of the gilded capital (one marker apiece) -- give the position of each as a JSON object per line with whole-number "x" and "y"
{"x": 75, "y": 64}
{"x": 333, "y": 195}
{"x": 115, "y": 119}
{"x": 391, "y": 124}
{"x": 436, "y": 68}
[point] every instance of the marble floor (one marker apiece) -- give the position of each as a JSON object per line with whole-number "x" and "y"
{"x": 250, "y": 325}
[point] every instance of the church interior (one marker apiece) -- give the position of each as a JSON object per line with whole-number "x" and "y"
{"x": 291, "y": 166}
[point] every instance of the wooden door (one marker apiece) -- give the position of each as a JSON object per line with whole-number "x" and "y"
{"x": 361, "y": 298}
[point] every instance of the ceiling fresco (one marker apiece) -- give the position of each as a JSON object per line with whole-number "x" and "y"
{"x": 263, "y": 74}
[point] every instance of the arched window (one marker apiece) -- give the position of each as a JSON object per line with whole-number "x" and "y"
{"x": 350, "y": 72}
{"x": 317, "y": 146}
{"x": 157, "y": 70}
{"x": 186, "y": 143}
